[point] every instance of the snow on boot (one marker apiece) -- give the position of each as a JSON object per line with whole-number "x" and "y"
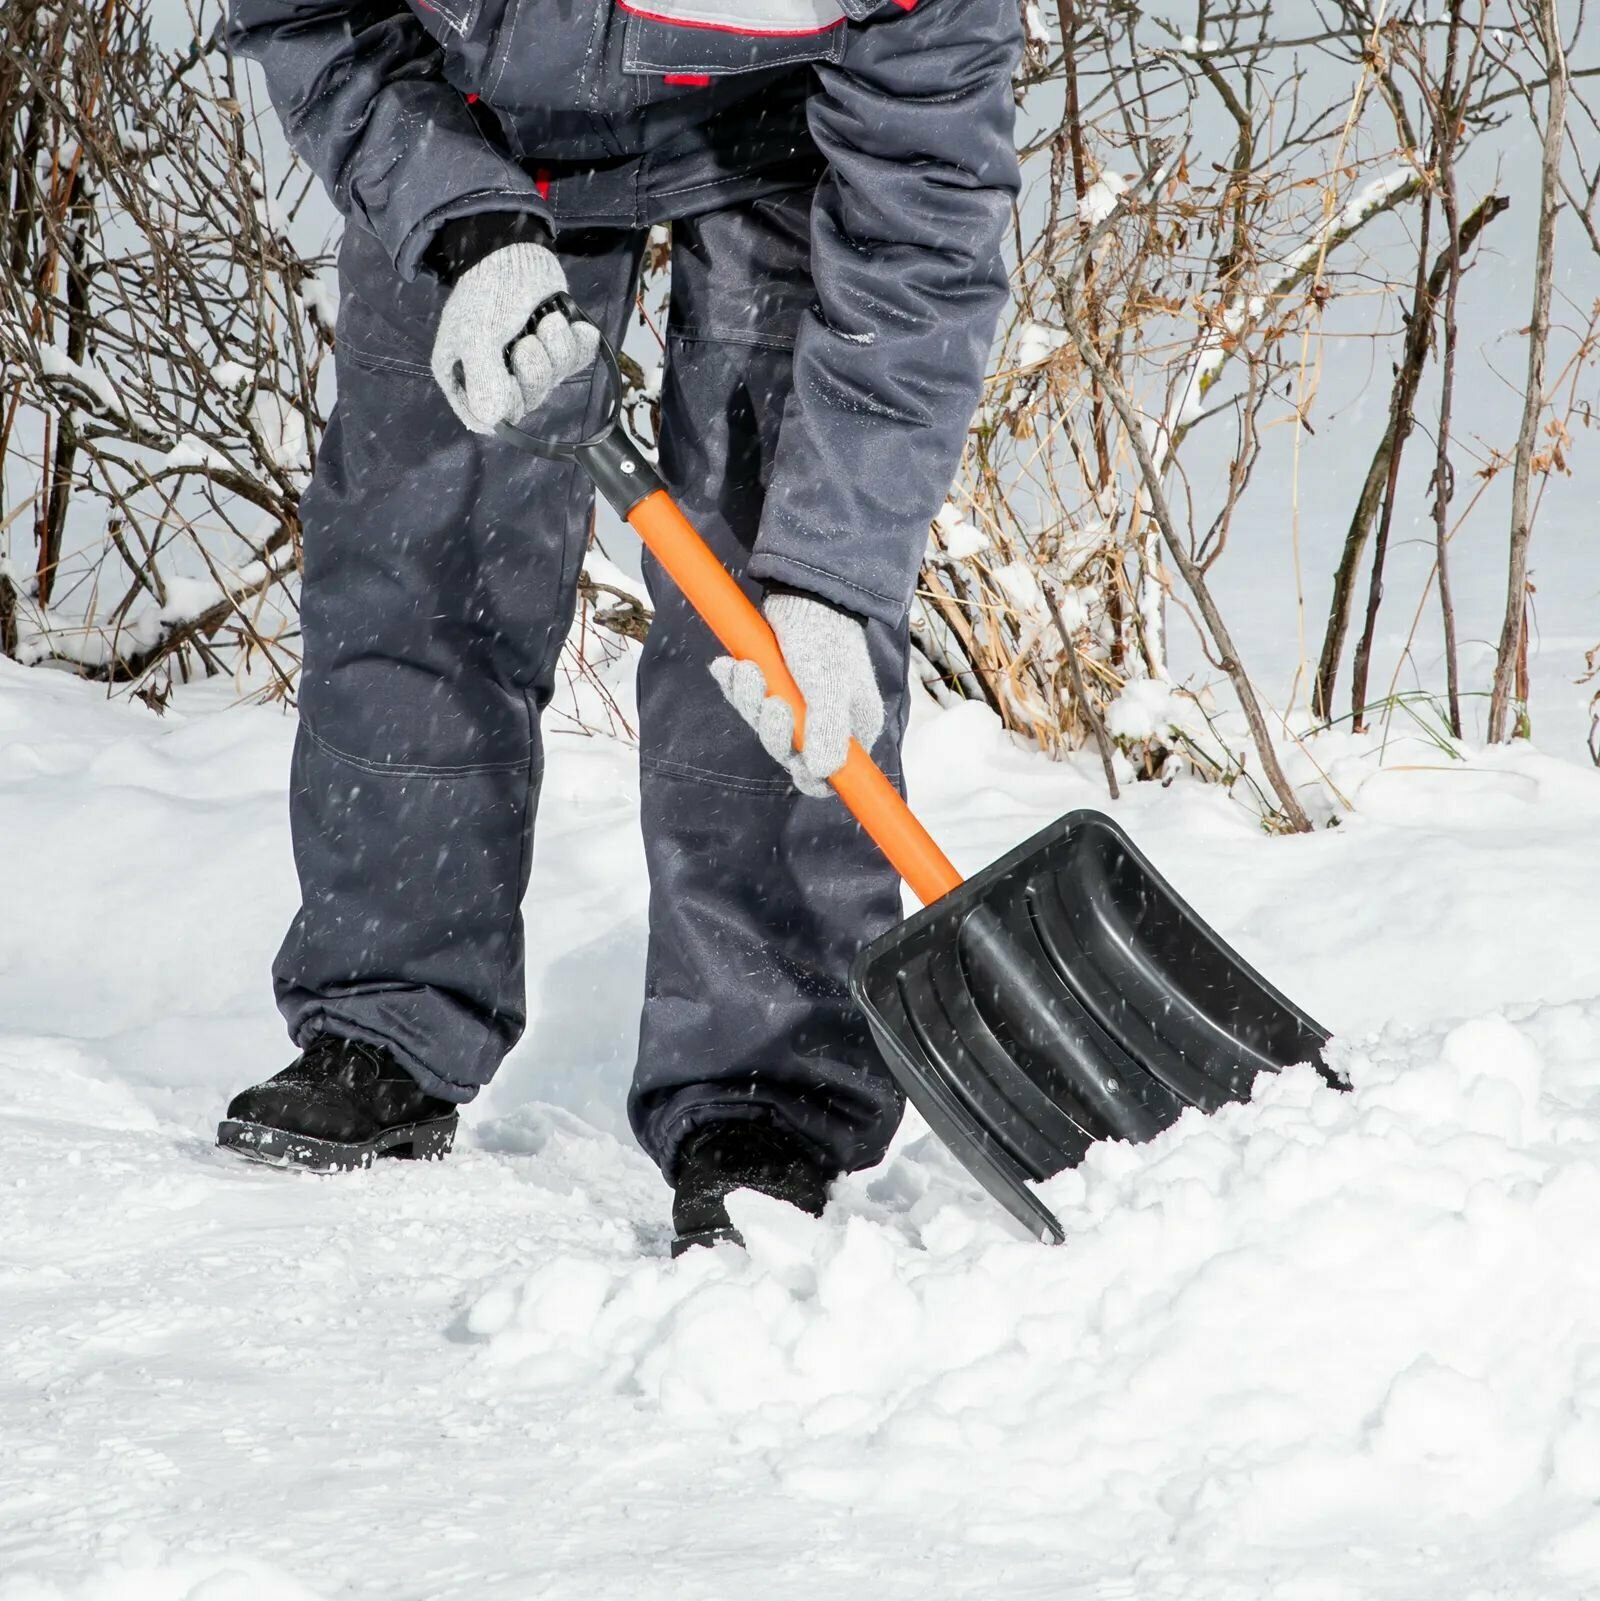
{"x": 338, "y": 1106}
{"x": 723, "y": 1157}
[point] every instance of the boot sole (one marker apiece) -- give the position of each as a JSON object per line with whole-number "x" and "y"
{"x": 420, "y": 1142}
{"x": 684, "y": 1243}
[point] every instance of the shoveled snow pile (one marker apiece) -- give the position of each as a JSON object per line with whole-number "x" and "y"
{"x": 1317, "y": 1323}
{"x": 143, "y": 1570}
{"x": 1318, "y": 1348}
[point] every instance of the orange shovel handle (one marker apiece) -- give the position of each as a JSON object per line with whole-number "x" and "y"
{"x": 713, "y": 592}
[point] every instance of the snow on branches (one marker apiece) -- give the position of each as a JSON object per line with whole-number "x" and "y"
{"x": 162, "y": 342}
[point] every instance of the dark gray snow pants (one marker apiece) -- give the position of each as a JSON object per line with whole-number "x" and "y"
{"x": 440, "y": 579}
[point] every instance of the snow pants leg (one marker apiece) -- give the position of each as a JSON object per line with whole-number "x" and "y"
{"x": 440, "y": 573}
{"x": 440, "y": 577}
{"x": 759, "y": 897}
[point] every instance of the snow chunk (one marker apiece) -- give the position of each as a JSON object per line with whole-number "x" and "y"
{"x": 282, "y": 431}
{"x": 88, "y": 375}
{"x": 1020, "y": 585}
{"x": 1101, "y": 197}
{"x": 192, "y": 452}
{"x": 272, "y": 217}
{"x": 188, "y": 598}
{"x": 1144, "y": 710}
{"x": 1037, "y": 343}
{"x": 321, "y": 302}
{"x": 1372, "y": 195}
{"x": 1073, "y": 605}
{"x": 961, "y": 539}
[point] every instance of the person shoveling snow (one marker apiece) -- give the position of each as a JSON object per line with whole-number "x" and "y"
{"x": 1064, "y": 995}
{"x": 837, "y": 176}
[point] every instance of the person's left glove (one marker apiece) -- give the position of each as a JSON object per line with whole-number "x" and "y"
{"x": 491, "y": 368}
{"x": 826, "y": 650}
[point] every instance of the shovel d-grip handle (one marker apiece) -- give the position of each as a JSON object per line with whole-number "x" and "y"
{"x": 632, "y": 486}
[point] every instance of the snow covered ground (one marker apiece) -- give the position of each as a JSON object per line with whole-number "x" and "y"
{"x": 1317, "y": 1348}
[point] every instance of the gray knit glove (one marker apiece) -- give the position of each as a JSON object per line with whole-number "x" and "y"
{"x": 826, "y": 650}
{"x": 488, "y": 373}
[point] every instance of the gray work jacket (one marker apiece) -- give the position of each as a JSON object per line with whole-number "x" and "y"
{"x": 628, "y": 112}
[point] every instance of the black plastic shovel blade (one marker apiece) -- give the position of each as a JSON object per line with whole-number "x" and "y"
{"x": 1064, "y": 995}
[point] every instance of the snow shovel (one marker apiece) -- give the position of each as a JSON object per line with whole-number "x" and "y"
{"x": 1064, "y": 995}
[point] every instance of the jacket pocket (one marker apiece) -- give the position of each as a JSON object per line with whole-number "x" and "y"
{"x": 712, "y": 38}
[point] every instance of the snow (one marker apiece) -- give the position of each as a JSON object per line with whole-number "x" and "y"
{"x": 145, "y": 1570}
{"x": 269, "y": 212}
{"x": 88, "y": 375}
{"x": 1318, "y": 1347}
{"x": 321, "y": 301}
{"x": 189, "y": 598}
{"x": 1375, "y": 192}
{"x": 1144, "y": 709}
{"x": 958, "y": 538}
{"x": 1019, "y": 583}
{"x": 1073, "y": 604}
{"x": 1221, "y": 1350}
{"x": 281, "y": 427}
{"x": 1100, "y": 198}
{"x": 1321, "y": 1345}
{"x": 1038, "y": 342}
{"x": 191, "y": 451}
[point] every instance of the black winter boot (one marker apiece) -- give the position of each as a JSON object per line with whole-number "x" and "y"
{"x": 338, "y": 1106}
{"x": 723, "y": 1157}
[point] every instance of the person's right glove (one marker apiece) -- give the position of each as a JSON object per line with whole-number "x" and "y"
{"x": 826, "y": 650}
{"x": 488, "y": 373}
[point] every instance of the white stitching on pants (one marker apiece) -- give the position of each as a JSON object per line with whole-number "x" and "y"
{"x": 408, "y": 769}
